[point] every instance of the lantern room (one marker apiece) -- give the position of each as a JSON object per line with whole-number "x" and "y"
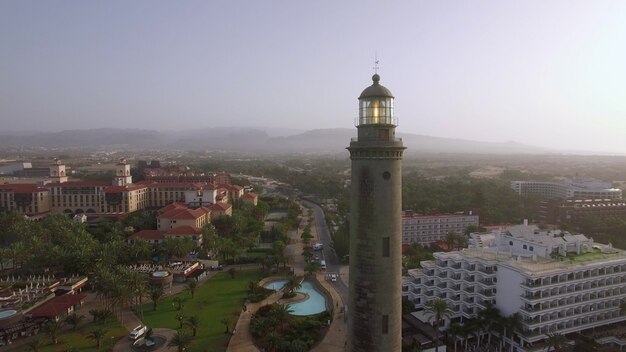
{"x": 376, "y": 105}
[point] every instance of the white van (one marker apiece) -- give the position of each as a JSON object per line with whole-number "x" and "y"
{"x": 323, "y": 264}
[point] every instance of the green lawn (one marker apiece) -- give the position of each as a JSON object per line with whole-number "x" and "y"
{"x": 218, "y": 298}
{"x": 77, "y": 340}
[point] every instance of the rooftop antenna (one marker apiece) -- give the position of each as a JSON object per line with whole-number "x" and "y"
{"x": 376, "y": 61}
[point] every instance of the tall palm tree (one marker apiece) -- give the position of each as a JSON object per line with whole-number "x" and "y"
{"x": 52, "y": 329}
{"x": 179, "y": 302}
{"x": 514, "y": 325}
{"x": 34, "y": 345}
{"x": 156, "y": 293}
{"x": 454, "y": 331}
{"x": 555, "y": 340}
{"x": 97, "y": 335}
{"x": 439, "y": 310}
{"x": 73, "y": 320}
{"x": 181, "y": 341}
{"x": 193, "y": 322}
{"x": 294, "y": 283}
{"x": 191, "y": 287}
{"x": 490, "y": 317}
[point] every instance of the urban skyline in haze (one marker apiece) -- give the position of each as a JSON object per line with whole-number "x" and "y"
{"x": 549, "y": 74}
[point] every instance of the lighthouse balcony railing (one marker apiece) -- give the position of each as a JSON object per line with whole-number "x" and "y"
{"x": 375, "y": 120}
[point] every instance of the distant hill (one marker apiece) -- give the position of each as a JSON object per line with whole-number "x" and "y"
{"x": 248, "y": 140}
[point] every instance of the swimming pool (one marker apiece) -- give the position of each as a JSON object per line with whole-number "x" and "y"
{"x": 160, "y": 274}
{"x": 276, "y": 285}
{"x": 316, "y": 303}
{"x": 7, "y": 313}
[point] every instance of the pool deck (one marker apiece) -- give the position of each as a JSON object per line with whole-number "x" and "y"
{"x": 335, "y": 339}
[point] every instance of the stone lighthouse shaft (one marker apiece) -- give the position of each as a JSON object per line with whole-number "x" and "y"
{"x": 375, "y": 302}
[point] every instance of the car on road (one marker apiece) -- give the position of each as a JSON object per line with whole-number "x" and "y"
{"x": 316, "y": 257}
{"x": 333, "y": 277}
{"x": 138, "y": 332}
{"x": 318, "y": 246}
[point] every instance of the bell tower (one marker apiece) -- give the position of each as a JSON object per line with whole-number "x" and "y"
{"x": 375, "y": 301}
{"x": 122, "y": 174}
{"x": 57, "y": 171}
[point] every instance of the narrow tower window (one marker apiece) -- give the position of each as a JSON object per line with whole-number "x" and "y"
{"x": 385, "y": 247}
{"x": 385, "y": 324}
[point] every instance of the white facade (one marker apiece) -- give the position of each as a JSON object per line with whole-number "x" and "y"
{"x": 427, "y": 229}
{"x": 581, "y": 288}
{"x": 586, "y": 189}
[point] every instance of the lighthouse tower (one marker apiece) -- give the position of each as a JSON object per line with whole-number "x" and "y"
{"x": 375, "y": 302}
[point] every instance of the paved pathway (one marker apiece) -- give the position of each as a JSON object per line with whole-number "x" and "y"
{"x": 335, "y": 338}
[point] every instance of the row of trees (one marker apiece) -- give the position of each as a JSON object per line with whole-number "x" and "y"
{"x": 489, "y": 326}
{"x": 489, "y": 322}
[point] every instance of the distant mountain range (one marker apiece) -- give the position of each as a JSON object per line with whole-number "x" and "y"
{"x": 247, "y": 140}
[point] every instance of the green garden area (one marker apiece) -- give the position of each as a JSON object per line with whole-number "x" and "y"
{"x": 216, "y": 306}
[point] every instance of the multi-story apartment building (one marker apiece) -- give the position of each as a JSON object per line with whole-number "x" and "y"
{"x": 427, "y": 229}
{"x": 555, "y": 280}
{"x": 572, "y": 211}
{"x": 575, "y": 189}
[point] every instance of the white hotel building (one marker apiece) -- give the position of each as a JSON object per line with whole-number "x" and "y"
{"x": 583, "y": 288}
{"x": 572, "y": 189}
{"x": 427, "y": 229}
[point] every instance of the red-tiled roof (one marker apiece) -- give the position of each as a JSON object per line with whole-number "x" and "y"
{"x": 184, "y": 230}
{"x": 79, "y": 184}
{"x": 171, "y": 206}
{"x": 184, "y": 213}
{"x": 179, "y": 185}
{"x": 23, "y": 188}
{"x": 148, "y": 235}
{"x": 57, "y": 306}
{"x": 232, "y": 188}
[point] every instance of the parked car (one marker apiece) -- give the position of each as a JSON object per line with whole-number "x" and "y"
{"x": 333, "y": 277}
{"x": 138, "y": 332}
{"x": 318, "y": 247}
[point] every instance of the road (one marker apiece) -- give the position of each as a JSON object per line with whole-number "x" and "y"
{"x": 328, "y": 253}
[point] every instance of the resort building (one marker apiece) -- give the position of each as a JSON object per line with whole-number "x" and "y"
{"x": 574, "y": 189}
{"x": 557, "y": 281}
{"x": 117, "y": 198}
{"x": 427, "y": 229}
{"x": 573, "y": 211}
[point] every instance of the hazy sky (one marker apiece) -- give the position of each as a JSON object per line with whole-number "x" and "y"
{"x": 546, "y": 73}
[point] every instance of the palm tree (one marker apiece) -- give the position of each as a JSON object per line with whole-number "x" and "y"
{"x": 73, "y": 320}
{"x": 294, "y": 283}
{"x": 34, "y": 345}
{"x": 181, "y": 341}
{"x": 97, "y": 335}
{"x": 191, "y": 287}
{"x": 272, "y": 340}
{"x": 156, "y": 293}
{"x": 454, "y": 330}
{"x": 514, "y": 325}
{"x": 555, "y": 340}
{"x": 179, "y": 302}
{"x": 193, "y": 322}
{"x": 490, "y": 317}
{"x": 52, "y": 329}
{"x": 439, "y": 310}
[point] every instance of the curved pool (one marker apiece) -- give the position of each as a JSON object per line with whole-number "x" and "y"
{"x": 7, "y": 313}
{"x": 160, "y": 274}
{"x": 276, "y": 285}
{"x": 315, "y": 304}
